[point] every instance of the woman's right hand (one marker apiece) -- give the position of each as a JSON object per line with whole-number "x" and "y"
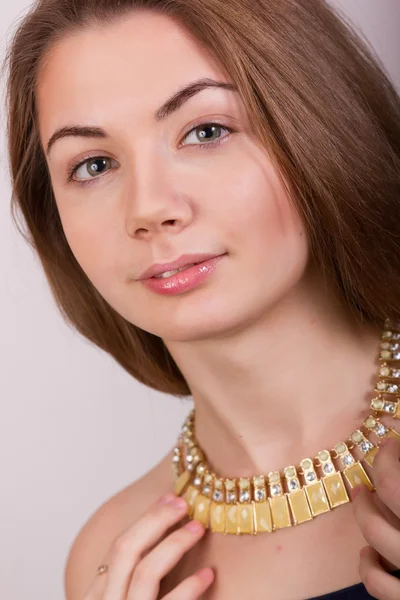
{"x": 138, "y": 560}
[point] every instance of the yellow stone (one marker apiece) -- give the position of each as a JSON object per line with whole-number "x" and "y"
{"x": 384, "y": 371}
{"x": 356, "y": 475}
{"x": 386, "y": 354}
{"x": 299, "y": 506}
{"x": 229, "y": 485}
{"x": 218, "y": 484}
{"x": 217, "y": 517}
{"x": 202, "y": 509}
{"x": 231, "y": 518}
{"x": 335, "y": 489}
{"x": 244, "y": 483}
{"x": 370, "y": 422}
{"x": 181, "y": 482}
{"x": 357, "y": 437}
{"x": 369, "y": 458}
{"x": 377, "y": 403}
{"x": 259, "y": 481}
{"x": 208, "y": 478}
{"x": 317, "y": 498}
{"x": 190, "y": 496}
{"x": 263, "y": 517}
{"x": 341, "y": 448}
{"x": 323, "y": 455}
{"x": 274, "y": 477}
{"x": 246, "y": 522}
{"x": 290, "y": 472}
{"x": 280, "y": 512}
{"x": 306, "y": 464}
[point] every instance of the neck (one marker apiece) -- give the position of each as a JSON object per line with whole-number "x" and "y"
{"x": 297, "y": 381}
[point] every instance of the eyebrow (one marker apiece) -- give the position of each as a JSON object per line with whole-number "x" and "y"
{"x": 170, "y": 106}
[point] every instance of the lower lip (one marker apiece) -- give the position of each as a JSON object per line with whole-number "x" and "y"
{"x": 183, "y": 281}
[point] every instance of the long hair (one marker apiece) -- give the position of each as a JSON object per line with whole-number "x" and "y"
{"x": 320, "y": 102}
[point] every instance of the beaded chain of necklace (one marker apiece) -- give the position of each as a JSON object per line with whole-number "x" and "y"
{"x": 296, "y": 494}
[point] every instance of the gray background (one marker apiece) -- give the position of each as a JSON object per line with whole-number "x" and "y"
{"x": 74, "y": 427}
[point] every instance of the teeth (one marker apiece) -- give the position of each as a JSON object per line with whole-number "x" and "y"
{"x": 169, "y": 273}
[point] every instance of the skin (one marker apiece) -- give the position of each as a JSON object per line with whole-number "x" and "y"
{"x": 261, "y": 316}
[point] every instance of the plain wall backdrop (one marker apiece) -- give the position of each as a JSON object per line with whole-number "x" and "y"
{"x": 74, "y": 427}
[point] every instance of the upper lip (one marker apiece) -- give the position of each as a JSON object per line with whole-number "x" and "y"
{"x": 182, "y": 261}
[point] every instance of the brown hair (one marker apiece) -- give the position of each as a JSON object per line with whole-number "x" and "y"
{"x": 319, "y": 100}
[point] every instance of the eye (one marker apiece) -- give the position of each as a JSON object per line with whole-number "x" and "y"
{"x": 94, "y": 166}
{"x": 207, "y": 131}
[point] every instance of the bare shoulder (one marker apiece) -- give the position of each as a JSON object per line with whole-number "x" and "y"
{"x": 108, "y": 522}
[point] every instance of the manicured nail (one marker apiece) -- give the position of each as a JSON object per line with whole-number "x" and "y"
{"x": 194, "y": 526}
{"x": 167, "y": 499}
{"x": 355, "y": 491}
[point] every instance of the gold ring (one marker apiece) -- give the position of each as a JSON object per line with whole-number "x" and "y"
{"x": 102, "y": 569}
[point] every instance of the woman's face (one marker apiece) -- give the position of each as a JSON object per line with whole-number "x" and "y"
{"x": 158, "y": 188}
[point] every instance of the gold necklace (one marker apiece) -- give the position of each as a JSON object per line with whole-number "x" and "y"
{"x": 297, "y": 494}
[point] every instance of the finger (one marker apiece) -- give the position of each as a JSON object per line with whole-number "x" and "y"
{"x": 377, "y": 531}
{"x": 386, "y": 472}
{"x": 127, "y": 550}
{"x": 192, "y": 587}
{"x": 147, "y": 575}
{"x": 379, "y": 584}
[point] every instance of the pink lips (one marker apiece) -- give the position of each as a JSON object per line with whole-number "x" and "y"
{"x": 182, "y": 261}
{"x": 185, "y": 280}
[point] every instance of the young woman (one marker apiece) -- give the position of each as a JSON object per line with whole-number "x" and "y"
{"x": 213, "y": 191}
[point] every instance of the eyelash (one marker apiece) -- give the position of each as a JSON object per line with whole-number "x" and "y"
{"x": 84, "y": 182}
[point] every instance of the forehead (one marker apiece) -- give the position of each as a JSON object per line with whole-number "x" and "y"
{"x": 125, "y": 68}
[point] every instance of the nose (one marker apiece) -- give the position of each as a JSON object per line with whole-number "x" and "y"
{"x": 156, "y": 202}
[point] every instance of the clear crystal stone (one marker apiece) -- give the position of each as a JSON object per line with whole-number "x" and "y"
{"x": 311, "y": 476}
{"x": 348, "y": 459}
{"x": 396, "y": 373}
{"x": 380, "y": 430}
{"x": 366, "y": 446}
{"x": 206, "y": 489}
{"x": 396, "y": 356}
{"x": 189, "y": 458}
{"x": 259, "y": 494}
{"x": 294, "y": 484}
{"x": 230, "y": 497}
{"x": 176, "y": 458}
{"x": 190, "y": 467}
{"x": 217, "y": 495}
{"x": 393, "y": 388}
{"x": 389, "y": 407}
{"x": 244, "y": 496}
{"x": 276, "y": 489}
{"x": 328, "y": 468}
{"x": 197, "y": 481}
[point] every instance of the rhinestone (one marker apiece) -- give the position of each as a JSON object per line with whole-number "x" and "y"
{"x": 197, "y": 481}
{"x": 230, "y": 484}
{"x": 393, "y": 388}
{"x": 294, "y": 484}
{"x": 190, "y": 467}
{"x": 176, "y": 458}
{"x": 381, "y": 386}
{"x": 396, "y": 336}
{"x": 259, "y": 494}
{"x": 389, "y": 407}
{"x": 206, "y": 489}
{"x": 348, "y": 459}
{"x": 259, "y": 481}
{"x": 184, "y": 428}
{"x": 394, "y": 347}
{"x": 384, "y": 371}
{"x": 218, "y": 484}
{"x": 244, "y": 496}
{"x": 366, "y": 446}
{"x": 208, "y": 478}
{"x": 244, "y": 484}
{"x": 370, "y": 422}
{"x": 328, "y": 468}
{"x": 189, "y": 458}
{"x": 380, "y": 430}
{"x": 396, "y": 356}
{"x": 274, "y": 477}
{"x": 217, "y": 495}
{"x": 290, "y": 472}
{"x": 276, "y": 490}
{"x": 396, "y": 373}
{"x": 311, "y": 476}
{"x": 231, "y": 497}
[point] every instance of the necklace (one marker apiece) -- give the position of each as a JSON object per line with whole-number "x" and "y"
{"x": 295, "y": 494}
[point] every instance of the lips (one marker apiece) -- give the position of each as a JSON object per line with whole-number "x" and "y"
{"x": 183, "y": 261}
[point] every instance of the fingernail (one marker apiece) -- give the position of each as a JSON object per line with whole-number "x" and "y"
{"x": 167, "y": 499}
{"x": 355, "y": 491}
{"x": 194, "y": 526}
